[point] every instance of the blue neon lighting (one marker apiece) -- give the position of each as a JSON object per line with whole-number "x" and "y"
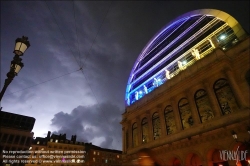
{"x": 149, "y": 72}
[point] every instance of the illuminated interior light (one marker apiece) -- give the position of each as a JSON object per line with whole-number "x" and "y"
{"x": 167, "y": 74}
{"x": 145, "y": 89}
{"x": 140, "y": 92}
{"x": 196, "y": 54}
{"x": 155, "y": 82}
{"x": 136, "y": 95}
{"x": 222, "y": 37}
{"x": 179, "y": 64}
{"x": 128, "y": 101}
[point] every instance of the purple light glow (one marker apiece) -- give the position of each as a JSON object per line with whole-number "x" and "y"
{"x": 158, "y": 39}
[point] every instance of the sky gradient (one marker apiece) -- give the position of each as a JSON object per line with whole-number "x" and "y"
{"x": 104, "y": 38}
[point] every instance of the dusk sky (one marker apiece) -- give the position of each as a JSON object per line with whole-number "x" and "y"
{"x": 104, "y": 38}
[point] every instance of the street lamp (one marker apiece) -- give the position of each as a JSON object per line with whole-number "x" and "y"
{"x": 22, "y": 44}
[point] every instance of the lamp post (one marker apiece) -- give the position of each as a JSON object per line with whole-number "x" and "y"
{"x": 21, "y": 45}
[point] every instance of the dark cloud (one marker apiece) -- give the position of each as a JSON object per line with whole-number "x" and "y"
{"x": 97, "y": 123}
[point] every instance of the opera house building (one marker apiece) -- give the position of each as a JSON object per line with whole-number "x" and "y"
{"x": 187, "y": 97}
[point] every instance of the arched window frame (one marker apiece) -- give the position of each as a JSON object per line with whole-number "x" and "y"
{"x": 186, "y": 117}
{"x": 208, "y": 113}
{"x": 145, "y": 132}
{"x": 170, "y": 126}
{"x": 224, "y": 105}
{"x": 156, "y": 125}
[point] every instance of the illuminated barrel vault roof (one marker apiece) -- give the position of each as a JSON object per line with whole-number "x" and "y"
{"x": 178, "y": 45}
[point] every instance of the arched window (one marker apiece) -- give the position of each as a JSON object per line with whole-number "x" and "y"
{"x": 169, "y": 120}
{"x": 203, "y": 105}
{"x": 144, "y": 126}
{"x": 156, "y": 126}
{"x": 134, "y": 135}
{"x": 185, "y": 113}
{"x": 225, "y": 96}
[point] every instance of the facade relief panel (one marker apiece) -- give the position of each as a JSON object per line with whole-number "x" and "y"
{"x": 203, "y": 106}
{"x": 170, "y": 120}
{"x": 156, "y": 126}
{"x": 185, "y": 113}
{"x": 225, "y": 97}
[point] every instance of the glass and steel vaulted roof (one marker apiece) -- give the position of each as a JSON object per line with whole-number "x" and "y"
{"x": 178, "y": 45}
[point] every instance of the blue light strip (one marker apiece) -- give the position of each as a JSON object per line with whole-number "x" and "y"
{"x": 159, "y": 37}
{"x": 170, "y": 55}
{"x": 173, "y": 61}
{"x": 153, "y": 44}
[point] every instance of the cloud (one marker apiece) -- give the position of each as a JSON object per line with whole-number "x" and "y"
{"x": 97, "y": 123}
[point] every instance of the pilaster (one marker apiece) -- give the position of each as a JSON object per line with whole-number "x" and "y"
{"x": 235, "y": 88}
{"x": 150, "y": 127}
{"x": 177, "y": 116}
{"x": 193, "y": 108}
{"x": 213, "y": 100}
{"x": 139, "y": 129}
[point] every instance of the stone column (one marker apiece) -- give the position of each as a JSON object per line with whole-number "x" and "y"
{"x": 177, "y": 116}
{"x": 212, "y": 99}
{"x": 138, "y": 121}
{"x": 193, "y": 108}
{"x": 162, "y": 121}
{"x": 130, "y": 139}
{"x": 150, "y": 126}
{"x": 235, "y": 88}
{"x": 160, "y": 112}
